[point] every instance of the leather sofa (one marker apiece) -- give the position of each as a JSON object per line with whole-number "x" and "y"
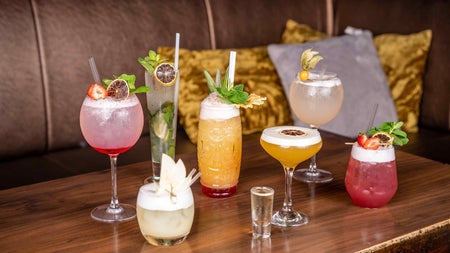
{"x": 45, "y": 46}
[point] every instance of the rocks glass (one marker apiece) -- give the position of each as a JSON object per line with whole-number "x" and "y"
{"x": 371, "y": 178}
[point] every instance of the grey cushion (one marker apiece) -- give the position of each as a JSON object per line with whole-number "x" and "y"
{"x": 355, "y": 60}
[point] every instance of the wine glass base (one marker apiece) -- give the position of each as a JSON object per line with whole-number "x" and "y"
{"x": 289, "y": 219}
{"x": 105, "y": 213}
{"x": 305, "y": 175}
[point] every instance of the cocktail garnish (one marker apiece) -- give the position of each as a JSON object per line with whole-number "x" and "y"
{"x": 230, "y": 93}
{"x": 96, "y": 91}
{"x": 118, "y": 89}
{"x": 292, "y": 132}
{"x": 308, "y": 61}
{"x": 173, "y": 176}
{"x": 130, "y": 80}
{"x": 163, "y": 71}
{"x": 165, "y": 74}
{"x": 385, "y": 135}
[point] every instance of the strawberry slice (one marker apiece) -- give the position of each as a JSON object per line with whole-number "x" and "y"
{"x": 372, "y": 143}
{"x": 97, "y": 91}
{"x": 362, "y": 138}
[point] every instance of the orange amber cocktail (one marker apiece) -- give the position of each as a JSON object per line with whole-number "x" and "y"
{"x": 290, "y": 145}
{"x": 219, "y": 147}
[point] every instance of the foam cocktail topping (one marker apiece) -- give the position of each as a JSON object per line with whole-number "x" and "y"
{"x": 214, "y": 108}
{"x": 112, "y": 103}
{"x": 326, "y": 79}
{"x": 379, "y": 155}
{"x": 291, "y": 136}
{"x": 149, "y": 199}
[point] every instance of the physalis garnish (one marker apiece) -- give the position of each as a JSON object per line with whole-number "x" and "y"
{"x": 308, "y": 61}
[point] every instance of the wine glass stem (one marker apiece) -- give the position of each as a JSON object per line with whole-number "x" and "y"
{"x": 114, "y": 199}
{"x": 312, "y": 163}
{"x": 287, "y": 205}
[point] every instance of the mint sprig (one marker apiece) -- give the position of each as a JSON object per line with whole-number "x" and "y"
{"x": 393, "y": 129}
{"x": 229, "y": 92}
{"x": 130, "y": 79}
{"x": 151, "y": 61}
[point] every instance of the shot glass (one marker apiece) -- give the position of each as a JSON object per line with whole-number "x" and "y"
{"x": 262, "y": 205}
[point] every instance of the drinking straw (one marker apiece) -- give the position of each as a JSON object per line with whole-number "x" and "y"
{"x": 177, "y": 49}
{"x": 177, "y": 82}
{"x": 94, "y": 71}
{"x": 231, "y": 66}
{"x": 372, "y": 118}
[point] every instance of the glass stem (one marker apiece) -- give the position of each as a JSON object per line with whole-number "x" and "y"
{"x": 312, "y": 163}
{"x": 287, "y": 204}
{"x": 114, "y": 199}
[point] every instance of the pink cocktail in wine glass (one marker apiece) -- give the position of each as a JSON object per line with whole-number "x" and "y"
{"x": 112, "y": 126}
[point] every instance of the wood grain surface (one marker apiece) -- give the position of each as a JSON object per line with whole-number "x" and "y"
{"x": 54, "y": 216}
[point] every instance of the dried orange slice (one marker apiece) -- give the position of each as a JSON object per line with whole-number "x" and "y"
{"x": 385, "y": 138}
{"x": 165, "y": 74}
{"x": 118, "y": 89}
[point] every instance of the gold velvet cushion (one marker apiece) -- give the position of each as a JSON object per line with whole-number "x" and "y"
{"x": 253, "y": 68}
{"x": 299, "y": 33}
{"x": 403, "y": 58}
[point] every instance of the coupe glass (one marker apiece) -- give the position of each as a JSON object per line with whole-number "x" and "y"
{"x": 112, "y": 126}
{"x": 316, "y": 101}
{"x": 290, "y": 145}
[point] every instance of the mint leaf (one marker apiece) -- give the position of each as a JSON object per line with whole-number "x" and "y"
{"x": 151, "y": 61}
{"x": 141, "y": 89}
{"x": 229, "y": 92}
{"x": 130, "y": 79}
{"x": 393, "y": 129}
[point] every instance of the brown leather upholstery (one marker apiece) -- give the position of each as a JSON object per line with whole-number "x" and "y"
{"x": 22, "y": 101}
{"x": 45, "y": 46}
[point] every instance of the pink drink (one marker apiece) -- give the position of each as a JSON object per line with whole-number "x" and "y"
{"x": 371, "y": 179}
{"x": 111, "y": 126}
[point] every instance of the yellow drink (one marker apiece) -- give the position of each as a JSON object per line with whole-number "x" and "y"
{"x": 219, "y": 149}
{"x": 290, "y": 156}
{"x": 290, "y": 145}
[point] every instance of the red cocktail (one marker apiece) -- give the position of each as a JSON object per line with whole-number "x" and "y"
{"x": 371, "y": 179}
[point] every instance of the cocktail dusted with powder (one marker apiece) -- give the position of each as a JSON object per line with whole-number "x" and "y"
{"x": 290, "y": 145}
{"x": 219, "y": 145}
{"x": 165, "y": 209}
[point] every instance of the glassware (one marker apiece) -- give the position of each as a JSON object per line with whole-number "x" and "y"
{"x": 290, "y": 145}
{"x": 219, "y": 147}
{"x": 164, "y": 219}
{"x": 371, "y": 178}
{"x": 162, "y": 111}
{"x": 316, "y": 101}
{"x": 112, "y": 126}
{"x": 262, "y": 205}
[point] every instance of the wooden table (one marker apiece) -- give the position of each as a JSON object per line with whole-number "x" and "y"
{"x": 54, "y": 216}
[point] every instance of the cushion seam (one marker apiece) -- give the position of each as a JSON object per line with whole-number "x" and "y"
{"x": 44, "y": 77}
{"x": 212, "y": 33}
